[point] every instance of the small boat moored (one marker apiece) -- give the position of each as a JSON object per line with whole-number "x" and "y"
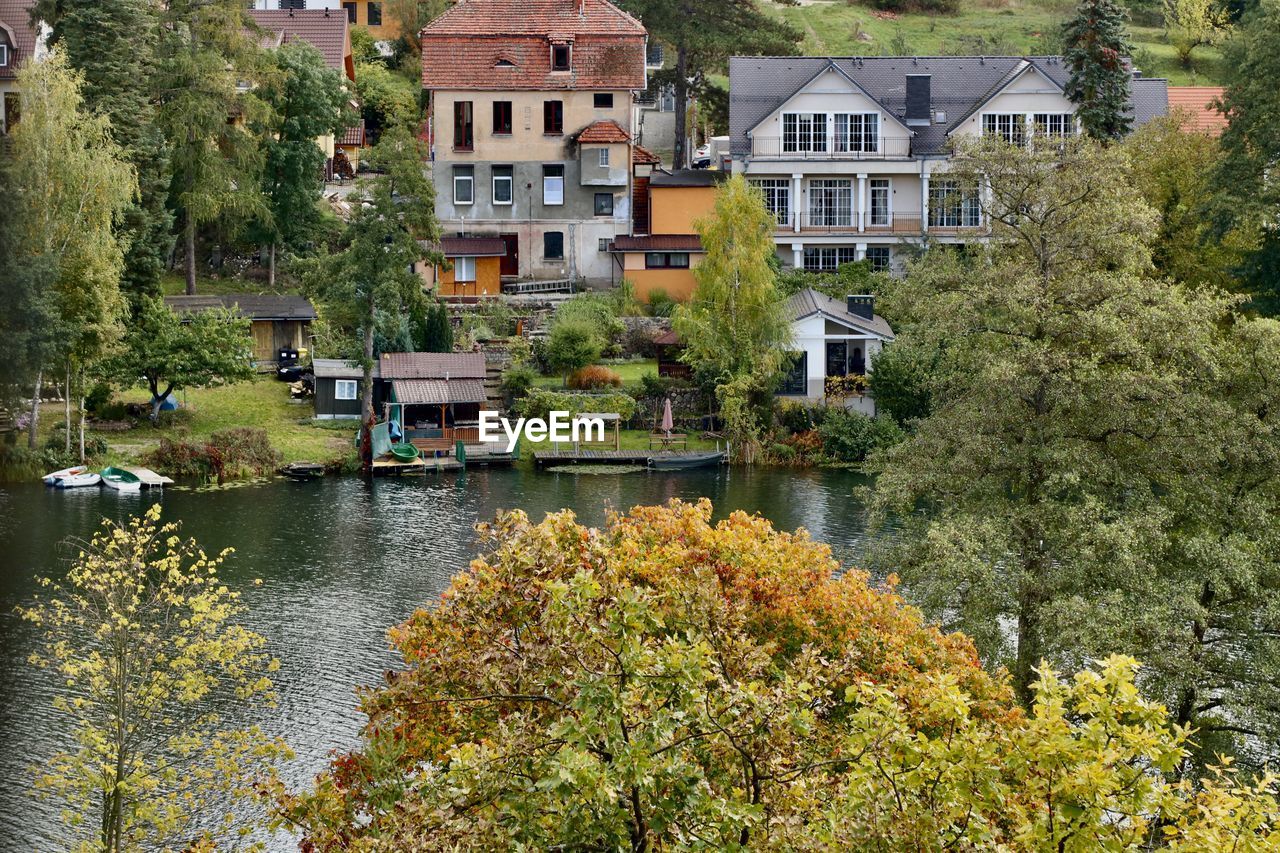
{"x": 404, "y": 452}
{"x": 684, "y": 461}
{"x": 78, "y": 481}
{"x": 52, "y": 479}
{"x": 121, "y": 480}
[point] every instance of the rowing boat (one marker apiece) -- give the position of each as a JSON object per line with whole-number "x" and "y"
{"x": 684, "y": 461}
{"x": 52, "y": 479}
{"x": 120, "y": 480}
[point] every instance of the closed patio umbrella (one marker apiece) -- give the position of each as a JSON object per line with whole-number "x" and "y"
{"x": 667, "y": 421}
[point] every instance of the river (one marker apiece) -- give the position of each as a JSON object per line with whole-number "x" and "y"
{"x": 341, "y": 560}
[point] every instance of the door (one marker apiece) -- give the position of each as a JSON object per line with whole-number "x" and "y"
{"x": 837, "y": 358}
{"x": 510, "y": 263}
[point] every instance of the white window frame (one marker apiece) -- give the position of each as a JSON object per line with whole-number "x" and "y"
{"x": 965, "y": 211}
{"x": 804, "y": 133}
{"x": 509, "y": 180}
{"x": 4, "y": 56}
{"x": 882, "y": 251}
{"x": 831, "y": 202}
{"x": 777, "y": 197}
{"x": 470, "y": 182}
{"x": 1054, "y": 125}
{"x": 603, "y": 157}
{"x": 346, "y": 389}
{"x": 1011, "y": 127}
{"x": 464, "y": 270}
{"x": 855, "y": 133}
{"x": 886, "y": 186}
{"x": 828, "y": 258}
{"x": 552, "y": 188}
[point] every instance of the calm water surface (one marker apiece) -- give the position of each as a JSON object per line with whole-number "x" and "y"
{"x": 341, "y": 561}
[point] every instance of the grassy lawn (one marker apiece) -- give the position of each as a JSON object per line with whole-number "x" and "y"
{"x": 990, "y": 27}
{"x": 630, "y": 371}
{"x": 175, "y": 284}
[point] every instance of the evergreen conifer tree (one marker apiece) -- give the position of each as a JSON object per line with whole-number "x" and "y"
{"x": 1096, "y": 46}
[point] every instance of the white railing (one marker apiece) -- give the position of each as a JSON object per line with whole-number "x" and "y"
{"x": 884, "y": 148}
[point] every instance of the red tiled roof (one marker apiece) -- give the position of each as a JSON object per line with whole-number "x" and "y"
{"x": 667, "y": 339}
{"x": 658, "y": 243}
{"x": 1197, "y": 102}
{"x": 643, "y": 156}
{"x": 462, "y": 47}
{"x": 473, "y": 247}
{"x": 325, "y": 30}
{"x": 353, "y": 135}
{"x": 432, "y": 365}
{"x": 604, "y": 130}
{"x": 15, "y": 28}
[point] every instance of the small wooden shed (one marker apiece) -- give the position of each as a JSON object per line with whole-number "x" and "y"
{"x": 339, "y": 388}
{"x": 278, "y": 322}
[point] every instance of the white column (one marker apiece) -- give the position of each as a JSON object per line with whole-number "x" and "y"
{"x": 860, "y": 251}
{"x": 797, "y": 203}
{"x": 862, "y": 202}
{"x": 797, "y": 256}
{"x": 924, "y": 201}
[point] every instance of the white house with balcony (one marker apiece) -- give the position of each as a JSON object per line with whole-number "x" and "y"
{"x": 833, "y": 340}
{"x": 852, "y": 153}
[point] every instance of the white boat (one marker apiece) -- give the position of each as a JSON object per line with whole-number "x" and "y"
{"x": 121, "y": 480}
{"x": 77, "y": 481}
{"x": 52, "y": 479}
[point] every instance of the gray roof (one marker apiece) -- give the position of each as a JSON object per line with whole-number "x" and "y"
{"x": 338, "y": 368}
{"x": 254, "y": 307}
{"x": 688, "y": 178}
{"x": 808, "y": 302}
{"x": 758, "y": 85}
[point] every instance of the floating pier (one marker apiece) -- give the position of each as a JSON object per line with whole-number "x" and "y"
{"x": 150, "y": 479}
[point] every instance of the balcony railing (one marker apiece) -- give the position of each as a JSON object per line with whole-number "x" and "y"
{"x": 885, "y": 148}
{"x": 896, "y": 223}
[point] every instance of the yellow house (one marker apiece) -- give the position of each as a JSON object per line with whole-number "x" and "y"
{"x": 664, "y": 258}
{"x": 372, "y": 15}
{"x": 474, "y": 268}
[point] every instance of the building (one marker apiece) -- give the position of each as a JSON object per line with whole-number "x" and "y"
{"x": 1198, "y": 103}
{"x": 338, "y": 390}
{"x": 663, "y": 251}
{"x": 474, "y": 269}
{"x": 531, "y": 127}
{"x": 359, "y": 13}
{"x": 852, "y": 153}
{"x": 19, "y": 42}
{"x": 278, "y": 323}
{"x": 434, "y": 397}
{"x": 835, "y": 343}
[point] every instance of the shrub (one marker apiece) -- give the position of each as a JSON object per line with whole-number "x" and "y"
{"x": 849, "y": 436}
{"x": 94, "y": 446}
{"x": 900, "y": 381}
{"x": 242, "y": 450}
{"x": 593, "y": 377}
{"x": 180, "y": 458}
{"x": 572, "y": 345}
{"x": 800, "y": 417}
{"x": 660, "y": 303}
{"x": 653, "y": 385}
{"x": 517, "y": 380}
{"x": 539, "y": 402}
{"x": 638, "y": 341}
{"x": 598, "y": 312}
{"x": 98, "y": 398}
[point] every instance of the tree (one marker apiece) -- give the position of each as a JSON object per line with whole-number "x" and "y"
{"x": 666, "y": 683}
{"x": 208, "y": 65}
{"x": 307, "y": 100}
{"x": 432, "y": 331}
{"x": 901, "y": 379}
{"x": 113, "y": 45}
{"x": 703, "y": 36}
{"x": 68, "y": 189}
{"x": 1249, "y": 194}
{"x": 170, "y": 352}
{"x": 143, "y": 640}
{"x": 1060, "y": 396}
{"x": 735, "y": 328}
{"x": 1188, "y": 24}
{"x": 1096, "y": 47}
{"x": 388, "y": 99}
{"x": 572, "y": 345}
{"x": 374, "y": 271}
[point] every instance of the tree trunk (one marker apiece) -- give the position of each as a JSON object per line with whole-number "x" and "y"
{"x": 66, "y": 404}
{"x": 271, "y": 265}
{"x": 34, "y": 429}
{"x": 366, "y": 396}
{"x": 679, "y": 157}
{"x": 189, "y": 235}
{"x": 81, "y": 398}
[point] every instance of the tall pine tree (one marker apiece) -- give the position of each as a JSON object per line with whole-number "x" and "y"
{"x": 1096, "y": 46}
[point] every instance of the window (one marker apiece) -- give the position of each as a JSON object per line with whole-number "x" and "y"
{"x": 829, "y": 258}
{"x": 502, "y": 118}
{"x": 553, "y": 245}
{"x": 796, "y": 380}
{"x": 293, "y": 4}
{"x": 879, "y": 189}
{"x": 553, "y": 184}
{"x": 462, "y": 136}
{"x": 951, "y": 207}
{"x": 653, "y": 55}
{"x": 802, "y": 132}
{"x": 666, "y": 260}
{"x": 464, "y": 270}
{"x": 857, "y": 132}
{"x": 553, "y": 117}
{"x": 603, "y": 100}
{"x": 831, "y": 202}
{"x": 603, "y": 157}
{"x": 1055, "y": 125}
{"x": 375, "y": 14}
{"x": 4, "y": 55}
{"x": 351, "y": 12}
{"x": 604, "y": 204}
{"x": 560, "y": 57}
{"x": 1011, "y": 127}
{"x": 777, "y": 197}
{"x": 502, "y": 184}
{"x": 464, "y": 185}
{"x": 878, "y": 258}
{"x": 602, "y": 244}
{"x": 345, "y": 389}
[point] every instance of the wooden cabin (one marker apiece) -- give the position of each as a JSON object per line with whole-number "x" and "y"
{"x": 278, "y": 323}
{"x": 339, "y": 388}
{"x": 435, "y": 397}
{"x": 474, "y": 268}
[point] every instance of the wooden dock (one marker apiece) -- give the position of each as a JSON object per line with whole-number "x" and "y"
{"x": 150, "y": 479}
{"x": 549, "y": 458}
{"x": 387, "y": 466}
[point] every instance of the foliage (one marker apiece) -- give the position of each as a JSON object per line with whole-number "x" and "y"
{"x": 852, "y": 278}
{"x": 169, "y": 352}
{"x": 228, "y": 454}
{"x": 1189, "y": 24}
{"x": 142, "y": 636}
{"x": 594, "y": 377}
{"x": 430, "y": 326}
{"x": 518, "y": 379}
{"x": 843, "y": 387}
{"x": 902, "y": 377}
{"x": 653, "y": 385}
{"x": 572, "y": 345}
{"x": 849, "y": 436}
{"x": 735, "y": 327}
{"x": 660, "y": 303}
{"x": 596, "y": 310}
{"x": 1095, "y": 46}
{"x": 389, "y": 100}
{"x": 939, "y": 7}
{"x": 540, "y": 402}
{"x": 666, "y": 683}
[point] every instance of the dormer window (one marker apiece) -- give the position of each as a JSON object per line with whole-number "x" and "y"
{"x": 504, "y": 63}
{"x": 4, "y": 54}
{"x": 560, "y": 55}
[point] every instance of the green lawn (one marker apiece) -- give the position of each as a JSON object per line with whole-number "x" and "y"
{"x": 630, "y": 371}
{"x": 990, "y": 27}
{"x": 175, "y": 284}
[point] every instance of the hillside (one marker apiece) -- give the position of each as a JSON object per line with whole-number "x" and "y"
{"x": 990, "y": 27}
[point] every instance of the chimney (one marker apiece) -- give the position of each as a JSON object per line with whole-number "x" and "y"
{"x": 862, "y": 305}
{"x": 918, "y": 99}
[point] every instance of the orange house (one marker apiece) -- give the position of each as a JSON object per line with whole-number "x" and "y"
{"x": 474, "y": 269}
{"x": 664, "y": 258}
